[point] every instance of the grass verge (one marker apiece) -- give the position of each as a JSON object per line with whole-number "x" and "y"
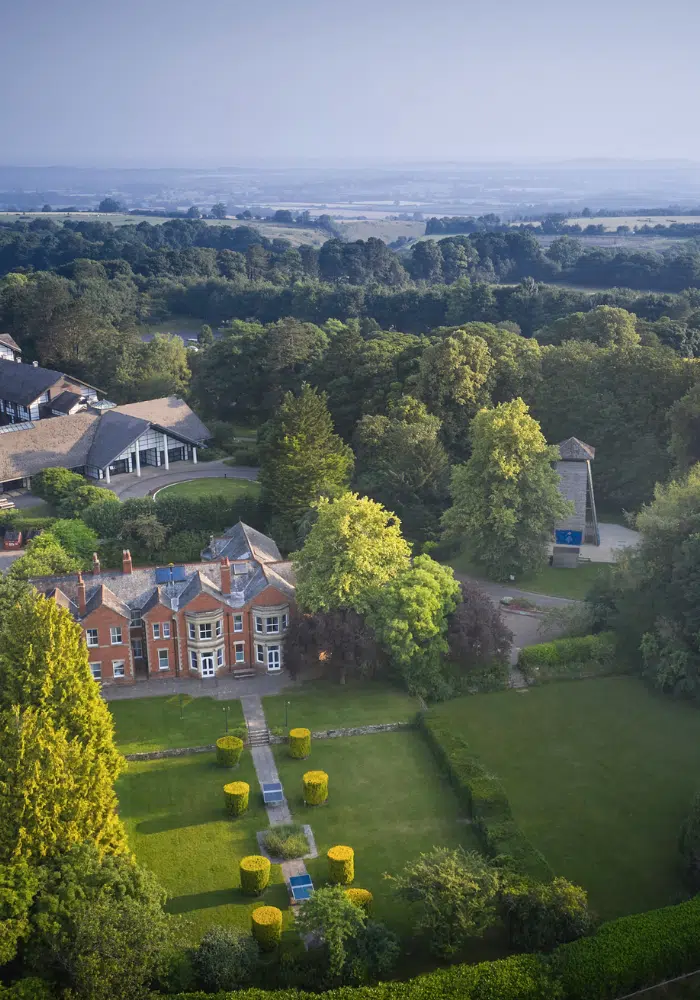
{"x": 228, "y": 489}
{"x": 573, "y": 583}
{"x": 146, "y": 724}
{"x": 324, "y": 705}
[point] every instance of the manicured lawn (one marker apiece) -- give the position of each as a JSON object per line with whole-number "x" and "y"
{"x": 573, "y": 583}
{"x": 177, "y": 826}
{"x": 323, "y": 705}
{"x": 600, "y": 774}
{"x": 227, "y": 489}
{"x": 145, "y": 724}
{"x": 387, "y": 800}
{"x": 39, "y": 509}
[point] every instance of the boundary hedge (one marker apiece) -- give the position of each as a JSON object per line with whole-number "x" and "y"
{"x": 572, "y": 658}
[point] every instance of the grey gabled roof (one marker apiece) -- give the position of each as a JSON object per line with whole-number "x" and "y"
{"x": 198, "y": 584}
{"x": 9, "y": 341}
{"x": 103, "y": 597}
{"x": 115, "y": 432}
{"x": 170, "y": 414}
{"x": 243, "y": 542}
{"x": 573, "y": 450}
{"x": 25, "y": 383}
{"x": 65, "y": 401}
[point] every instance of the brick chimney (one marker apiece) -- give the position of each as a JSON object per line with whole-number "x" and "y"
{"x": 82, "y": 603}
{"x": 126, "y": 562}
{"x": 95, "y": 565}
{"x": 225, "y": 576}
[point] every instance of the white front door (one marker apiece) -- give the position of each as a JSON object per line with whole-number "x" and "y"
{"x": 273, "y": 659}
{"x": 207, "y": 662}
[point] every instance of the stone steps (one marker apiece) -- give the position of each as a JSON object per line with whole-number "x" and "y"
{"x": 241, "y": 675}
{"x": 258, "y": 737}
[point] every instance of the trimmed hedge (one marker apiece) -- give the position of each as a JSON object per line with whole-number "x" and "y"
{"x": 237, "y": 794}
{"x": 360, "y": 897}
{"x": 315, "y": 788}
{"x": 576, "y": 657}
{"x": 228, "y": 751}
{"x": 299, "y": 743}
{"x": 266, "y": 925}
{"x": 255, "y": 874}
{"x": 483, "y": 796}
{"x": 341, "y": 865}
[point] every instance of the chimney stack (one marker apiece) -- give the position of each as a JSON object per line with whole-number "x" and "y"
{"x": 82, "y": 603}
{"x": 225, "y": 576}
{"x": 126, "y": 562}
{"x": 95, "y": 565}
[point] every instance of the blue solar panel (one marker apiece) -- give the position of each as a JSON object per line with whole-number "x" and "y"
{"x": 179, "y": 574}
{"x": 163, "y": 576}
{"x": 302, "y": 892}
{"x": 272, "y": 786}
{"x": 298, "y": 880}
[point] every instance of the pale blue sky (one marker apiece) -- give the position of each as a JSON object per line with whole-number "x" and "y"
{"x": 216, "y": 82}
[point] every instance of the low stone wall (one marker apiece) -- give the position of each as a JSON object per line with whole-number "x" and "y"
{"x": 324, "y": 734}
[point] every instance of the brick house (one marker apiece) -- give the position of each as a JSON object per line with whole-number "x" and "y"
{"x": 225, "y": 615}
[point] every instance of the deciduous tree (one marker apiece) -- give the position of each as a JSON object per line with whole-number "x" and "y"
{"x": 330, "y": 916}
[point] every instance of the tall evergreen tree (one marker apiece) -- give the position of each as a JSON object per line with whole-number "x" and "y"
{"x": 301, "y": 457}
{"x": 58, "y": 761}
{"x": 506, "y": 498}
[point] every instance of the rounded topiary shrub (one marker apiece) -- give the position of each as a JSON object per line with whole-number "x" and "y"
{"x": 255, "y": 874}
{"x": 299, "y": 743}
{"x": 361, "y": 898}
{"x": 266, "y": 923}
{"x": 341, "y": 865}
{"x": 315, "y": 788}
{"x": 228, "y": 751}
{"x": 237, "y": 793}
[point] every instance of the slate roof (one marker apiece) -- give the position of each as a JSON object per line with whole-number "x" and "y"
{"x": 9, "y": 341}
{"x": 65, "y": 401}
{"x": 58, "y": 441}
{"x": 573, "y": 450}
{"x": 115, "y": 432}
{"x": 171, "y": 414}
{"x": 25, "y": 383}
{"x": 243, "y": 542}
{"x": 102, "y": 596}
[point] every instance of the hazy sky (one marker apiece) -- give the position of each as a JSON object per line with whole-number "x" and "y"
{"x": 215, "y": 82}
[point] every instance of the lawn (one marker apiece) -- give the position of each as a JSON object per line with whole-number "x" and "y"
{"x": 324, "y": 705}
{"x": 600, "y": 774}
{"x": 228, "y": 489}
{"x": 574, "y": 583}
{"x": 146, "y": 724}
{"x": 387, "y": 800}
{"x": 174, "y": 814}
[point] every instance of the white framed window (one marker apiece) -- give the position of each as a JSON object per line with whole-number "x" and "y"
{"x": 285, "y": 621}
{"x": 240, "y": 652}
{"x": 166, "y": 630}
{"x": 117, "y": 668}
{"x": 192, "y": 629}
{"x": 260, "y": 653}
{"x": 96, "y": 671}
{"x": 91, "y": 636}
{"x": 137, "y": 648}
{"x": 194, "y": 663}
{"x": 273, "y": 659}
{"x": 163, "y": 660}
{"x": 205, "y": 630}
{"x": 219, "y": 628}
{"x": 156, "y": 630}
{"x": 238, "y": 623}
{"x": 115, "y": 635}
{"x": 220, "y": 656}
{"x": 272, "y": 624}
{"x": 258, "y": 623}
{"x": 207, "y": 663}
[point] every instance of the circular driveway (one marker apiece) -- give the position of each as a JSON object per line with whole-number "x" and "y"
{"x": 129, "y": 486}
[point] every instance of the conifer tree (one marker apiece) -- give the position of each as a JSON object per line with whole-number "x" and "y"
{"x": 58, "y": 761}
{"x": 301, "y": 457}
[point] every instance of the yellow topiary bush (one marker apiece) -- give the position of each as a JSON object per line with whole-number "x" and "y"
{"x": 315, "y": 788}
{"x": 266, "y": 924}
{"x": 341, "y": 864}
{"x": 228, "y": 751}
{"x": 236, "y": 794}
{"x": 255, "y": 874}
{"x": 360, "y": 897}
{"x": 299, "y": 743}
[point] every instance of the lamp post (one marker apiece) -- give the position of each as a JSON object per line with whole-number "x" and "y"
{"x": 286, "y": 715}
{"x": 181, "y": 715}
{"x": 226, "y": 710}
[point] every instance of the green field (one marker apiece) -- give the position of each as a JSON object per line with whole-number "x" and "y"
{"x": 227, "y": 489}
{"x": 573, "y": 583}
{"x": 599, "y": 774}
{"x": 174, "y": 815}
{"x": 146, "y": 724}
{"x": 325, "y": 705}
{"x": 387, "y": 800}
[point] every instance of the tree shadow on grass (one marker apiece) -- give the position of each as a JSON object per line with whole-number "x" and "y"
{"x": 204, "y": 900}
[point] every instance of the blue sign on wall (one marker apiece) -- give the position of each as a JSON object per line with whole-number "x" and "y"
{"x": 568, "y": 537}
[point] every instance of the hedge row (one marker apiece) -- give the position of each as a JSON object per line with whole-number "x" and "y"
{"x": 582, "y": 656}
{"x": 624, "y": 955}
{"x": 483, "y": 796}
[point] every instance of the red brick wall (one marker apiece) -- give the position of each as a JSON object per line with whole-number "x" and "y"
{"x": 103, "y": 619}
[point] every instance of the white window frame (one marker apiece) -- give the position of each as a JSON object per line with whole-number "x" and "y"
{"x": 220, "y": 656}
{"x": 208, "y": 655}
{"x": 192, "y": 630}
{"x": 164, "y": 665}
{"x": 259, "y": 652}
{"x": 285, "y": 622}
{"x": 272, "y": 625}
{"x": 156, "y": 630}
{"x": 274, "y": 659}
{"x": 194, "y": 660}
{"x": 205, "y": 631}
{"x": 259, "y": 626}
{"x": 238, "y": 623}
{"x": 118, "y": 665}
{"x": 90, "y": 634}
{"x": 219, "y": 630}
{"x": 137, "y": 644}
{"x": 115, "y": 630}
{"x": 96, "y": 671}
{"x": 240, "y": 652}
{"x": 166, "y": 630}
